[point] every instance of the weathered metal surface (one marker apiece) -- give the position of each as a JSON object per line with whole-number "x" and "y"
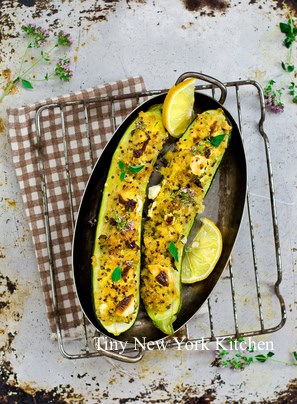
{"x": 160, "y": 40}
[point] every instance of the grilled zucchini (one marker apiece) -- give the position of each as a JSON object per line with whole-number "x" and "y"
{"x": 186, "y": 179}
{"x": 116, "y": 257}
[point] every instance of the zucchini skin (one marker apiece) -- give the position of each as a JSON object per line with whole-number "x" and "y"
{"x": 186, "y": 180}
{"x": 116, "y": 257}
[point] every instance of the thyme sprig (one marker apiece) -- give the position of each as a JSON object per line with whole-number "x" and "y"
{"x": 272, "y": 92}
{"x": 38, "y": 38}
{"x": 240, "y": 358}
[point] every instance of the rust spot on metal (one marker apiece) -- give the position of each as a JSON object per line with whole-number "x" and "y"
{"x": 27, "y": 3}
{"x": 12, "y": 392}
{"x": 2, "y": 125}
{"x": 97, "y": 13}
{"x": 289, "y": 395}
{"x": 215, "y": 5}
{"x": 7, "y": 25}
{"x": 278, "y": 4}
{"x": 7, "y": 284}
{"x": 10, "y": 202}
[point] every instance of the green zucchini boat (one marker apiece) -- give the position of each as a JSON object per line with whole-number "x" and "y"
{"x": 116, "y": 257}
{"x": 186, "y": 179}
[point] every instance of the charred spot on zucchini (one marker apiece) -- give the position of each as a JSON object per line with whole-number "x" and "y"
{"x": 116, "y": 257}
{"x": 186, "y": 179}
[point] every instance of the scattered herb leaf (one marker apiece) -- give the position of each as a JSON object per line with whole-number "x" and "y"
{"x": 173, "y": 250}
{"x": 116, "y": 274}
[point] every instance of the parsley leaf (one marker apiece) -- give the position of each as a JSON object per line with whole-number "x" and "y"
{"x": 173, "y": 250}
{"x": 116, "y": 274}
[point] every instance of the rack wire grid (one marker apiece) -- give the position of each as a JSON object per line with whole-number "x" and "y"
{"x": 249, "y": 297}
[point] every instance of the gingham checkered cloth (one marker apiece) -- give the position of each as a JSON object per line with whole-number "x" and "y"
{"x": 26, "y": 151}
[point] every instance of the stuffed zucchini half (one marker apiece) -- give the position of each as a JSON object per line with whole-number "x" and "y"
{"x": 116, "y": 257}
{"x": 186, "y": 179}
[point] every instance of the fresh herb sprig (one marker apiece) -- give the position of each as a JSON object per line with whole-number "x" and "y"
{"x": 240, "y": 358}
{"x": 273, "y": 93}
{"x": 122, "y": 223}
{"x": 38, "y": 38}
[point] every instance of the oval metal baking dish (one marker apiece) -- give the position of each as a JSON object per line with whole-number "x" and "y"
{"x": 224, "y": 204}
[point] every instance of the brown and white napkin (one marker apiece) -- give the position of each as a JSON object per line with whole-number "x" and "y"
{"x": 26, "y": 151}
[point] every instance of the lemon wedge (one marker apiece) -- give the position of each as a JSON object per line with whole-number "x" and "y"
{"x": 178, "y": 107}
{"x": 201, "y": 257}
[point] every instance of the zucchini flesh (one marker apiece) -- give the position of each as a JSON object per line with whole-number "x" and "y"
{"x": 116, "y": 256}
{"x": 186, "y": 179}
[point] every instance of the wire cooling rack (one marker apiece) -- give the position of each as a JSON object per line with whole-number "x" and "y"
{"x": 247, "y": 300}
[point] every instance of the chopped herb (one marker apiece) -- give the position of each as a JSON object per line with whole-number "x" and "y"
{"x": 187, "y": 196}
{"x": 140, "y": 124}
{"x": 131, "y": 169}
{"x": 173, "y": 250}
{"x": 122, "y": 175}
{"x": 122, "y": 223}
{"x": 217, "y": 140}
{"x": 294, "y": 355}
{"x": 123, "y": 170}
{"x": 135, "y": 169}
{"x": 116, "y": 274}
{"x": 195, "y": 150}
{"x": 122, "y": 165}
